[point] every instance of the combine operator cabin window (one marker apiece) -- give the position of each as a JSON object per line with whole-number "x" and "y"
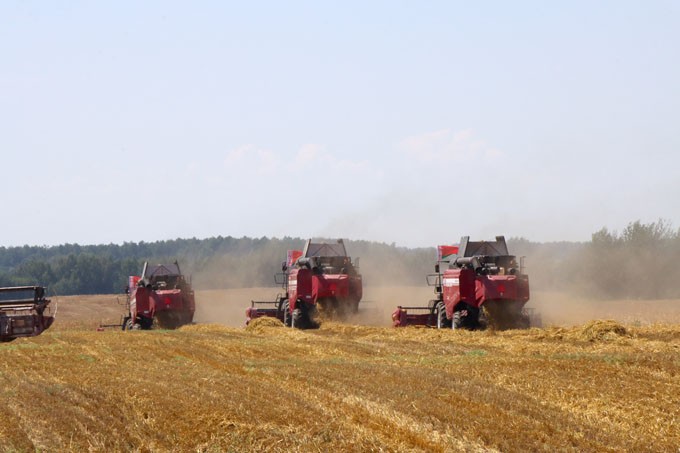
{"x": 314, "y": 249}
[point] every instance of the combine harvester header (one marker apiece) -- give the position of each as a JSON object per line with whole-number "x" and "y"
{"x": 24, "y": 312}
{"x": 480, "y": 284}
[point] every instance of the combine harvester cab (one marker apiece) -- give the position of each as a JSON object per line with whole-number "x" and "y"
{"x": 24, "y": 312}
{"x": 160, "y": 297}
{"x": 482, "y": 285}
{"x": 320, "y": 278}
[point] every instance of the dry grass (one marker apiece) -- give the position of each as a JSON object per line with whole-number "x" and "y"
{"x": 602, "y": 386}
{"x": 262, "y": 324}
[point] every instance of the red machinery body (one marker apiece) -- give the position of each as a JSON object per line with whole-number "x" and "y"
{"x": 463, "y": 285}
{"x": 482, "y": 284}
{"x": 307, "y": 287}
{"x": 162, "y": 296}
{"x": 321, "y": 275}
{"x": 24, "y": 312}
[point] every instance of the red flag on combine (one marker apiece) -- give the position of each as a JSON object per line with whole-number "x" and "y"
{"x": 445, "y": 252}
{"x": 293, "y": 255}
{"x": 133, "y": 280}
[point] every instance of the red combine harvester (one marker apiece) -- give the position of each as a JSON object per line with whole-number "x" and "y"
{"x": 24, "y": 312}
{"x": 321, "y": 275}
{"x": 161, "y": 297}
{"x": 482, "y": 284}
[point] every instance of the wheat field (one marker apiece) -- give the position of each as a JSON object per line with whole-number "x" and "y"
{"x": 211, "y": 387}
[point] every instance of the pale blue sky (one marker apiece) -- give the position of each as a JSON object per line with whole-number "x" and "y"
{"x": 406, "y": 122}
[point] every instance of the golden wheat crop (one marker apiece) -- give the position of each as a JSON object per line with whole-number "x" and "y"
{"x": 598, "y": 387}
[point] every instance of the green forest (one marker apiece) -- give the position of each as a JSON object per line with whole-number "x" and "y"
{"x": 638, "y": 262}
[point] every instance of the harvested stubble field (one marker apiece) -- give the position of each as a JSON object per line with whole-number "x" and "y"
{"x": 601, "y": 386}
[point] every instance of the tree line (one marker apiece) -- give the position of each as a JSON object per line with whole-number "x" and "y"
{"x": 212, "y": 263}
{"x": 638, "y": 262}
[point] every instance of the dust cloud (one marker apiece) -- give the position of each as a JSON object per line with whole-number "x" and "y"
{"x": 228, "y": 307}
{"x": 560, "y": 309}
{"x": 379, "y": 303}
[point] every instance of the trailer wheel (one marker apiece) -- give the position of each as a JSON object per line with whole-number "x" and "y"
{"x": 442, "y": 321}
{"x": 355, "y": 307}
{"x": 287, "y": 321}
{"x": 296, "y": 319}
{"x": 457, "y": 320}
{"x": 473, "y": 317}
{"x": 523, "y": 321}
{"x": 465, "y": 317}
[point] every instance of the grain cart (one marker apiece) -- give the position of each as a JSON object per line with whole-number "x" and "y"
{"x": 24, "y": 312}
{"x": 160, "y": 297}
{"x": 319, "y": 279}
{"x": 476, "y": 283}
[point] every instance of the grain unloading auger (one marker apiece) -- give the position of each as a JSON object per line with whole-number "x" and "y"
{"x": 24, "y": 312}
{"x": 320, "y": 278}
{"x": 476, "y": 283}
